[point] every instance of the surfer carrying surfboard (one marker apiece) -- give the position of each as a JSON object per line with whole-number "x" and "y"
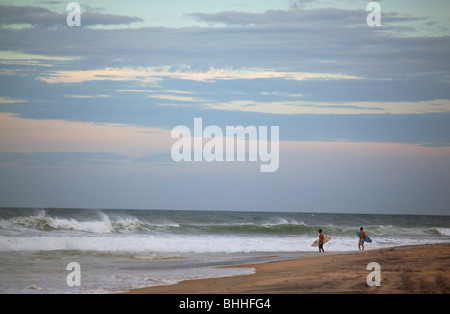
{"x": 321, "y": 239}
{"x": 361, "y": 238}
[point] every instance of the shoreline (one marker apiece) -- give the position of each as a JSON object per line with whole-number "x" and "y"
{"x": 423, "y": 268}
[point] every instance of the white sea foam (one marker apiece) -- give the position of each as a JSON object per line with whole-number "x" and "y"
{"x": 164, "y": 244}
{"x": 190, "y": 244}
{"x": 101, "y": 226}
{"x": 443, "y": 231}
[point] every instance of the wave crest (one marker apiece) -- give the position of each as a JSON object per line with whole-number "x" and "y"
{"x": 103, "y": 224}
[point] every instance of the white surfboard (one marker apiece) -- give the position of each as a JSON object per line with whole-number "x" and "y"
{"x": 325, "y": 240}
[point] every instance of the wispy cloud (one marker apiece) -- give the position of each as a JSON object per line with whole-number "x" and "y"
{"x": 7, "y": 100}
{"x": 88, "y": 96}
{"x": 107, "y": 74}
{"x": 153, "y": 75}
{"x": 42, "y": 17}
{"x": 346, "y": 108}
{"x": 26, "y": 59}
{"x": 297, "y": 15}
{"x": 282, "y": 94}
{"x": 177, "y": 98}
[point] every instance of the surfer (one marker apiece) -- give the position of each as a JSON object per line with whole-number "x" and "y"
{"x": 321, "y": 237}
{"x": 361, "y": 239}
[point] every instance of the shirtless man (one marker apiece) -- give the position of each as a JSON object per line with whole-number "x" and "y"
{"x": 361, "y": 239}
{"x": 321, "y": 238}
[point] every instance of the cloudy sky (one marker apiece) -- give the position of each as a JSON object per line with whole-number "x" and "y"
{"x": 86, "y": 113}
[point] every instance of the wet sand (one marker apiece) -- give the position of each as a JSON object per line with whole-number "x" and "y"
{"x": 407, "y": 269}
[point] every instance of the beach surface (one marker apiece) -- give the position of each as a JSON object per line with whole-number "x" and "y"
{"x": 405, "y": 269}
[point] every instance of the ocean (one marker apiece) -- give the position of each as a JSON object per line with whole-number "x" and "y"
{"x": 117, "y": 250}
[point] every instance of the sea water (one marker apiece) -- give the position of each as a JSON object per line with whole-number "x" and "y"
{"x": 122, "y": 249}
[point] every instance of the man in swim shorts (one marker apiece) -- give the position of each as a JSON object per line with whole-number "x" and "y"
{"x": 361, "y": 238}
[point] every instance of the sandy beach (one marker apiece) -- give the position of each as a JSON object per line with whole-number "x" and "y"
{"x": 405, "y": 269}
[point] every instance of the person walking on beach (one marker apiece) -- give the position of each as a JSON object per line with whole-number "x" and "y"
{"x": 321, "y": 237}
{"x": 362, "y": 234}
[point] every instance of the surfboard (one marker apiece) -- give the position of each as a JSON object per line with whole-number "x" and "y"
{"x": 366, "y": 238}
{"x": 325, "y": 240}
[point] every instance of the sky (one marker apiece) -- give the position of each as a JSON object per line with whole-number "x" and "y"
{"x": 87, "y": 112}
